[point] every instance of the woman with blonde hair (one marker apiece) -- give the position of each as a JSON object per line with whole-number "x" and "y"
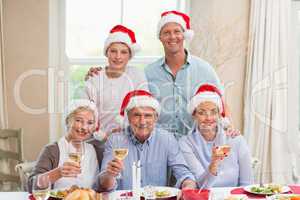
{"x": 54, "y": 160}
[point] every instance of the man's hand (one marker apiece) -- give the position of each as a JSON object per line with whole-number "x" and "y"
{"x": 70, "y": 169}
{"x": 92, "y": 72}
{"x": 232, "y": 132}
{"x": 186, "y": 184}
{"x": 229, "y": 129}
{"x": 114, "y": 167}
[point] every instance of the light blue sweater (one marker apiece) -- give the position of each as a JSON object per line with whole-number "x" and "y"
{"x": 234, "y": 170}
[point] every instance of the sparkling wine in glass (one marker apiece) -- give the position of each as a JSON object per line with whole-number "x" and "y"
{"x": 223, "y": 148}
{"x": 41, "y": 187}
{"x": 120, "y": 153}
{"x": 76, "y": 151}
{"x": 120, "y": 147}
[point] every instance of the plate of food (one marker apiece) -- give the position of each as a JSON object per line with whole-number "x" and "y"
{"x": 60, "y": 193}
{"x": 159, "y": 192}
{"x": 284, "y": 197}
{"x": 267, "y": 189}
{"x": 64, "y": 193}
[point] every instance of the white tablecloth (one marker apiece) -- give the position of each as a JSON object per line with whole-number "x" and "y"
{"x": 218, "y": 193}
{"x": 13, "y": 196}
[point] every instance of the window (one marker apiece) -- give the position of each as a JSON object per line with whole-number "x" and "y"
{"x": 77, "y": 33}
{"x": 87, "y": 24}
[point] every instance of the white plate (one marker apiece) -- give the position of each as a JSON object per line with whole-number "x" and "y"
{"x": 172, "y": 191}
{"x": 284, "y": 189}
{"x": 53, "y": 192}
{"x": 117, "y": 195}
{"x": 236, "y": 197}
{"x": 278, "y": 196}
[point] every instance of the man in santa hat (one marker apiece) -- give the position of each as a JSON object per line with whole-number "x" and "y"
{"x": 153, "y": 148}
{"x": 174, "y": 77}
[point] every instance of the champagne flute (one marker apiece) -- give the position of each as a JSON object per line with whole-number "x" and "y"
{"x": 76, "y": 150}
{"x": 223, "y": 148}
{"x": 120, "y": 147}
{"x": 41, "y": 187}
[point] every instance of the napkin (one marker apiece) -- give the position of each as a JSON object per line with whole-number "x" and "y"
{"x": 30, "y": 197}
{"x": 249, "y": 195}
{"x": 193, "y": 194}
{"x": 295, "y": 189}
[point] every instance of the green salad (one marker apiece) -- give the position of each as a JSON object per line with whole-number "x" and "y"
{"x": 267, "y": 189}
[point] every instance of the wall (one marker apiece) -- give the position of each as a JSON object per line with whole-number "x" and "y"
{"x": 26, "y": 49}
{"x": 221, "y": 33}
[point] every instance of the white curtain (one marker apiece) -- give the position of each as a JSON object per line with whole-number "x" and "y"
{"x": 4, "y": 143}
{"x": 265, "y": 124}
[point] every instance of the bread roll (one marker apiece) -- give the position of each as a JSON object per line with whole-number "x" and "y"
{"x": 75, "y": 195}
{"x": 82, "y": 194}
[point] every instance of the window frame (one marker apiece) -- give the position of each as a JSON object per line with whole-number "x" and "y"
{"x": 59, "y": 64}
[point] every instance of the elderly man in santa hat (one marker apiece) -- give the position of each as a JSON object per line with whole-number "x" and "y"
{"x": 154, "y": 148}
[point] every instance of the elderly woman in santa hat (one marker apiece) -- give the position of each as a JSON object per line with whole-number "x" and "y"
{"x": 54, "y": 160}
{"x": 215, "y": 159}
{"x": 109, "y": 86}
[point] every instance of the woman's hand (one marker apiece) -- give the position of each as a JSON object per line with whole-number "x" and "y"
{"x": 92, "y": 72}
{"x": 114, "y": 167}
{"x": 70, "y": 169}
{"x": 217, "y": 156}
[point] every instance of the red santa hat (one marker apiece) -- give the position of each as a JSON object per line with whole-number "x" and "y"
{"x": 122, "y": 34}
{"x": 137, "y": 98}
{"x": 179, "y": 18}
{"x": 207, "y": 92}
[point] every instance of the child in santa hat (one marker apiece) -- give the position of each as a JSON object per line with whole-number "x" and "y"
{"x": 112, "y": 83}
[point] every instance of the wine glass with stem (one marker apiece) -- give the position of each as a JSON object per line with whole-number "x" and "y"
{"x": 120, "y": 147}
{"x": 41, "y": 187}
{"x": 221, "y": 142}
{"x": 76, "y": 150}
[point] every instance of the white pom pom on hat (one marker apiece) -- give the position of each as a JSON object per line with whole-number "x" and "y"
{"x": 136, "y": 98}
{"x": 74, "y": 104}
{"x": 179, "y": 18}
{"x": 120, "y": 33}
{"x": 82, "y": 103}
{"x": 207, "y": 92}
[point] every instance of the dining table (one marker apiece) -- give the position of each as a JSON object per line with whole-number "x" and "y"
{"x": 218, "y": 193}
{"x": 28, "y": 196}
